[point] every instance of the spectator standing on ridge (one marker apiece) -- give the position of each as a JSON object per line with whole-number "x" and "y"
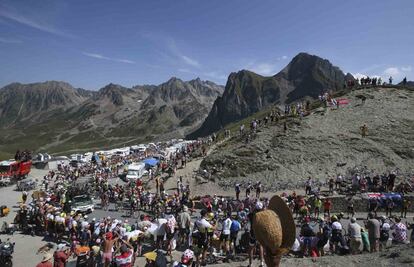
{"x": 308, "y": 186}
{"x": 248, "y": 189}
{"x": 405, "y": 206}
{"x": 364, "y": 130}
{"x": 258, "y": 189}
{"x": 237, "y": 189}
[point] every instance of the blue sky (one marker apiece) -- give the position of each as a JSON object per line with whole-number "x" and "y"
{"x": 92, "y": 43}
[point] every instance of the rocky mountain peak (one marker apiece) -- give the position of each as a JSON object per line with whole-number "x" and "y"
{"x": 19, "y": 101}
{"x": 114, "y": 93}
{"x": 247, "y": 92}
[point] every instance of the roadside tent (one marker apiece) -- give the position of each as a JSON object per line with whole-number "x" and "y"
{"x": 382, "y": 198}
{"x": 151, "y": 162}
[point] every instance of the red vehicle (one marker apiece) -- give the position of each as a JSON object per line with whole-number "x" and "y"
{"x": 15, "y": 169}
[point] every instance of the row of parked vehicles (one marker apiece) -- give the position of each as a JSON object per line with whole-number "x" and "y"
{"x": 13, "y": 170}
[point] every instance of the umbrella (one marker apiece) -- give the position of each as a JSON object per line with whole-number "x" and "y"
{"x": 151, "y": 161}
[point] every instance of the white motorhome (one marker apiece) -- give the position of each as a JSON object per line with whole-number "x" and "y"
{"x": 123, "y": 152}
{"x": 78, "y": 157}
{"x": 136, "y": 171}
{"x": 88, "y": 156}
{"x": 139, "y": 148}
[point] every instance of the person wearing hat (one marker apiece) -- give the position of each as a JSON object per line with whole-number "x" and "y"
{"x": 109, "y": 242}
{"x": 252, "y": 236}
{"x": 336, "y": 237}
{"x": 46, "y": 261}
{"x": 150, "y": 258}
{"x": 275, "y": 229}
{"x": 186, "y": 259}
{"x": 384, "y": 233}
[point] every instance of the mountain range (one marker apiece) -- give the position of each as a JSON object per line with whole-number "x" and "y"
{"x": 247, "y": 92}
{"x": 56, "y": 117}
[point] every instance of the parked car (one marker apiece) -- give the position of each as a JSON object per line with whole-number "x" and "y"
{"x": 82, "y": 204}
{"x": 26, "y": 185}
{"x": 4, "y": 181}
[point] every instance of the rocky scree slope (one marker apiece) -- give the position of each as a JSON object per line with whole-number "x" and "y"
{"x": 325, "y": 143}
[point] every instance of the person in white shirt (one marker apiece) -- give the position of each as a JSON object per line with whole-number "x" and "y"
{"x": 203, "y": 226}
{"x": 225, "y": 234}
{"x": 338, "y": 181}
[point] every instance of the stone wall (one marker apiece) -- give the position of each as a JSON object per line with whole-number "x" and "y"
{"x": 340, "y": 204}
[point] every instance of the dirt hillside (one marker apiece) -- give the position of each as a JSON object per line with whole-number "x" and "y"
{"x": 325, "y": 143}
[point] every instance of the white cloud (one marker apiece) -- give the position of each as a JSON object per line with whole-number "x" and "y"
{"x": 190, "y": 61}
{"x": 99, "y": 56}
{"x": 265, "y": 69}
{"x": 392, "y": 71}
{"x": 10, "y": 40}
{"x": 41, "y": 26}
{"x": 406, "y": 68}
{"x": 172, "y": 47}
{"x": 171, "y": 52}
{"x": 94, "y": 55}
{"x": 125, "y": 61}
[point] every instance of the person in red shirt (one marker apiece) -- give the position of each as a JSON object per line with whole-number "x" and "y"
{"x": 46, "y": 261}
{"x": 61, "y": 256}
{"x": 125, "y": 259}
{"x": 327, "y": 206}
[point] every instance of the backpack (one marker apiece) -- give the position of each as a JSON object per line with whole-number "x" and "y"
{"x": 327, "y": 231}
{"x": 384, "y": 235}
{"x": 235, "y": 226}
{"x": 160, "y": 261}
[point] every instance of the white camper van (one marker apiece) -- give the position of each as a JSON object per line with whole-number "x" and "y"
{"x": 136, "y": 171}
